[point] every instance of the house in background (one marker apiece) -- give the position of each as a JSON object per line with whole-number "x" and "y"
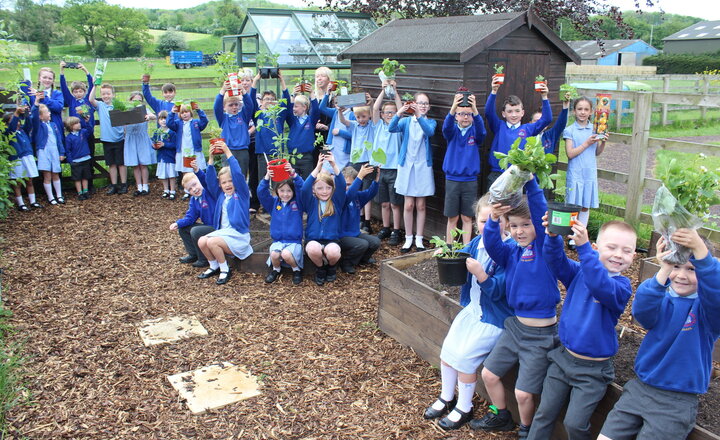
{"x": 617, "y": 52}
{"x": 703, "y": 37}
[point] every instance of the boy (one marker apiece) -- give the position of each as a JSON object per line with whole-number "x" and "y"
{"x": 77, "y": 95}
{"x": 168, "y": 91}
{"x": 166, "y": 142}
{"x": 464, "y": 132}
{"x": 356, "y": 248}
{"x": 78, "y": 154}
{"x": 200, "y": 206}
{"x": 235, "y": 124}
{"x": 680, "y": 308}
{"x": 390, "y": 201}
{"x": 509, "y": 128}
{"x": 533, "y": 293}
{"x": 112, "y": 138}
{"x": 581, "y": 367}
{"x": 264, "y": 142}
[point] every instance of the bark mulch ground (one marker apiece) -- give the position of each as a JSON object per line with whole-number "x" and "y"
{"x": 80, "y": 277}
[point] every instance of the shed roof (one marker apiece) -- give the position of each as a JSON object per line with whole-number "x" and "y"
{"x": 459, "y": 37}
{"x": 704, "y": 30}
{"x": 590, "y": 50}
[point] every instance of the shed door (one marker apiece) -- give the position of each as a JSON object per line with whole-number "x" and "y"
{"x": 521, "y": 68}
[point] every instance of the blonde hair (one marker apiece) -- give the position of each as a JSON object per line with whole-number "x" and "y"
{"x": 245, "y": 73}
{"x": 228, "y": 99}
{"x": 481, "y": 203}
{"x": 222, "y": 172}
{"x": 187, "y": 177}
{"x": 185, "y": 108}
{"x": 325, "y": 71}
{"x": 46, "y": 69}
{"x": 350, "y": 172}
{"x": 324, "y": 176}
{"x": 70, "y": 121}
{"x": 303, "y": 100}
{"x": 108, "y": 86}
{"x": 363, "y": 109}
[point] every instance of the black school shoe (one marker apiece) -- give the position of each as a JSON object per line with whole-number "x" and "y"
{"x": 297, "y": 277}
{"x": 494, "y": 421}
{"x": 224, "y": 277}
{"x": 432, "y": 413}
{"x": 331, "y": 273}
{"x": 137, "y": 193}
{"x": 347, "y": 268}
{"x": 200, "y": 263}
{"x": 272, "y": 276}
{"x": 36, "y": 205}
{"x": 209, "y": 273}
{"x": 112, "y": 189}
{"x": 61, "y": 200}
{"x": 447, "y": 424}
{"x": 395, "y": 237}
{"x": 384, "y": 233}
{"x": 23, "y": 208}
{"x": 320, "y": 275}
{"x": 123, "y": 188}
{"x": 187, "y": 259}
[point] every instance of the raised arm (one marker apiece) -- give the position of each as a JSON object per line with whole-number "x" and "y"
{"x": 428, "y": 126}
{"x": 91, "y": 97}
{"x": 218, "y": 109}
{"x": 67, "y": 96}
{"x": 377, "y": 106}
{"x": 341, "y": 117}
{"x": 545, "y": 119}
{"x": 490, "y": 113}
{"x": 448, "y": 128}
{"x": 563, "y": 268}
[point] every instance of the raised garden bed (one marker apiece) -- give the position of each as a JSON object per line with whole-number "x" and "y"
{"x": 418, "y": 315}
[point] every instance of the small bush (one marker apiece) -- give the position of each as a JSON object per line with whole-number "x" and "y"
{"x": 683, "y": 64}
{"x": 171, "y": 40}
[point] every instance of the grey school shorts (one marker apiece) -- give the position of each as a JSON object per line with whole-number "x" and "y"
{"x": 527, "y": 345}
{"x": 386, "y": 188}
{"x": 114, "y": 153}
{"x": 651, "y": 414}
{"x": 459, "y": 198}
{"x": 81, "y": 170}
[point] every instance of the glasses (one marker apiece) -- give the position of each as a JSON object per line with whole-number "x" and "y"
{"x": 463, "y": 114}
{"x": 424, "y": 104}
{"x": 388, "y": 113}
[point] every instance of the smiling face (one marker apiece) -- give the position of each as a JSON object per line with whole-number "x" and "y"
{"x": 582, "y": 110}
{"x": 513, "y": 113}
{"x": 616, "y": 249}
{"x": 388, "y": 111}
{"x": 321, "y": 80}
{"x": 322, "y": 190}
{"x": 107, "y": 95}
{"x": 423, "y": 104}
{"x": 521, "y": 230}
{"x": 46, "y": 79}
{"x": 162, "y": 122}
{"x": 464, "y": 117}
{"x": 683, "y": 279}
{"x": 194, "y": 188}
{"x": 299, "y": 109}
{"x": 267, "y": 101}
{"x": 168, "y": 95}
{"x": 285, "y": 193}
{"x": 226, "y": 182}
{"x": 362, "y": 117}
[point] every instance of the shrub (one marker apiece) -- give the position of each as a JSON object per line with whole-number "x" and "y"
{"x": 171, "y": 40}
{"x": 683, "y": 64}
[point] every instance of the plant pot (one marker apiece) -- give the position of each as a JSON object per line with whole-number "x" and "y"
{"x": 146, "y": 78}
{"x": 305, "y": 87}
{"x": 216, "y": 149}
{"x": 500, "y": 78}
{"x": 176, "y": 108}
{"x": 561, "y": 217}
{"x": 194, "y": 105}
{"x": 452, "y": 271}
{"x": 539, "y": 85}
{"x": 187, "y": 161}
{"x": 410, "y": 110}
{"x": 465, "y": 102}
{"x": 278, "y": 168}
{"x": 156, "y": 145}
{"x": 333, "y": 86}
{"x": 268, "y": 72}
{"x": 234, "y": 92}
{"x": 135, "y": 115}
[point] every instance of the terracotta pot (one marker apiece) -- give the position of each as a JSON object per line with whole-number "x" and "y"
{"x": 410, "y": 110}
{"x": 146, "y": 77}
{"x": 156, "y": 145}
{"x": 187, "y": 160}
{"x": 194, "y": 105}
{"x": 279, "y": 171}
{"x": 216, "y": 149}
{"x": 333, "y": 86}
{"x": 500, "y": 77}
{"x": 539, "y": 85}
{"x": 176, "y": 108}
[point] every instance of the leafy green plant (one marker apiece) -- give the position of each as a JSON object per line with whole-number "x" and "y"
{"x": 147, "y": 65}
{"x": 692, "y": 184}
{"x": 539, "y": 78}
{"x": 226, "y": 63}
{"x": 499, "y": 69}
{"x": 267, "y": 59}
{"x": 119, "y": 104}
{"x": 451, "y": 250}
{"x": 390, "y": 67}
{"x": 280, "y": 140}
{"x": 532, "y": 158}
{"x": 214, "y": 129}
{"x": 408, "y": 97}
{"x": 159, "y": 134}
{"x": 83, "y": 110}
{"x": 566, "y": 89}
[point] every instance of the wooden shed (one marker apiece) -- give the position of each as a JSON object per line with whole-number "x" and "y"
{"x": 444, "y": 53}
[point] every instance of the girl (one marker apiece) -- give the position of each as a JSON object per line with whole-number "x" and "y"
{"x": 232, "y": 218}
{"x": 18, "y": 125}
{"x": 50, "y": 150}
{"x": 187, "y": 132}
{"x": 48, "y": 95}
{"x": 164, "y": 142}
{"x": 323, "y": 198}
{"x": 139, "y": 152}
{"x": 301, "y": 137}
{"x": 582, "y": 145}
{"x": 286, "y": 224}
{"x": 475, "y": 329}
{"x": 415, "y": 179}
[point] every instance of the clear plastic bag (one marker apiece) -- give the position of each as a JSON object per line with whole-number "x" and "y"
{"x": 507, "y": 189}
{"x": 669, "y": 216}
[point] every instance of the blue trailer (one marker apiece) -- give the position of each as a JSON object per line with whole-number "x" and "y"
{"x": 185, "y": 59}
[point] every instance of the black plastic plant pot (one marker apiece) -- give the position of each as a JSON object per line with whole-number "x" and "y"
{"x": 273, "y": 71}
{"x": 465, "y": 102}
{"x": 264, "y": 72}
{"x": 452, "y": 271}
{"x": 561, "y": 217}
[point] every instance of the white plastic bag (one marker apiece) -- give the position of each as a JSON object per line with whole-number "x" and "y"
{"x": 507, "y": 189}
{"x": 669, "y": 216}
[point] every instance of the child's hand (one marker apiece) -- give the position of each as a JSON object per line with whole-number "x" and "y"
{"x": 336, "y": 131}
{"x": 665, "y": 268}
{"x": 225, "y": 86}
{"x": 158, "y": 145}
{"x": 39, "y": 96}
{"x": 173, "y": 226}
{"x": 269, "y": 174}
{"x": 297, "y": 90}
{"x": 403, "y": 109}
{"x": 691, "y": 239}
{"x": 475, "y": 268}
{"x": 495, "y": 84}
{"x": 545, "y": 223}
{"x": 377, "y": 175}
{"x": 147, "y": 117}
{"x": 498, "y": 210}
{"x": 365, "y": 171}
{"x": 62, "y": 65}
{"x": 368, "y": 99}
{"x": 329, "y": 157}
{"x": 580, "y": 234}
{"x": 321, "y": 127}
{"x": 62, "y": 158}
{"x": 457, "y": 100}
{"x": 83, "y": 68}
{"x": 194, "y": 166}
{"x": 544, "y": 90}
{"x": 471, "y": 100}
{"x": 566, "y": 101}
{"x": 289, "y": 168}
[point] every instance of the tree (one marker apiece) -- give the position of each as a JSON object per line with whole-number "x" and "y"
{"x": 229, "y": 18}
{"x": 125, "y": 27}
{"x": 171, "y": 40}
{"x": 86, "y": 17}
{"x": 36, "y": 22}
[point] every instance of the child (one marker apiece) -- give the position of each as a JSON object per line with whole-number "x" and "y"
{"x": 680, "y": 309}
{"x": 187, "y": 131}
{"x": 50, "y": 151}
{"x": 47, "y": 94}
{"x": 474, "y": 331}
{"x": 200, "y": 206}
{"x": 78, "y": 154}
{"x": 464, "y": 131}
{"x": 533, "y": 293}
{"x": 509, "y": 128}
{"x": 168, "y": 92}
{"x": 550, "y": 138}
{"x": 581, "y": 146}
{"x": 164, "y": 141}
{"x": 322, "y": 198}
{"x": 112, "y": 138}
{"x": 301, "y": 138}
{"x": 415, "y": 178}
{"x": 77, "y": 95}
{"x": 340, "y": 142}
{"x": 235, "y": 123}
{"x": 231, "y": 220}
{"x": 356, "y": 247}
{"x": 139, "y": 152}
{"x": 390, "y": 201}
{"x": 18, "y": 129}
{"x": 581, "y": 367}
{"x": 286, "y": 224}
{"x": 264, "y": 142}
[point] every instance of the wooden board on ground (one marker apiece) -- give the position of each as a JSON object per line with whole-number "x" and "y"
{"x": 170, "y": 329}
{"x": 214, "y": 386}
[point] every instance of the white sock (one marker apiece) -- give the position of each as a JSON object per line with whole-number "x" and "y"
{"x": 58, "y": 188}
{"x": 465, "y": 396}
{"x": 408, "y": 241}
{"x": 418, "y": 241}
{"x": 584, "y": 217}
{"x": 20, "y": 201}
{"x": 48, "y": 191}
{"x": 448, "y": 377}
{"x": 224, "y": 267}
{"x": 146, "y": 187}
{"x": 277, "y": 269}
{"x": 296, "y": 269}
{"x": 139, "y": 186}
{"x": 172, "y": 192}
{"x": 31, "y": 197}
{"x": 213, "y": 264}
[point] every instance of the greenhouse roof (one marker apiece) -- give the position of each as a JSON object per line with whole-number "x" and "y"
{"x": 302, "y": 37}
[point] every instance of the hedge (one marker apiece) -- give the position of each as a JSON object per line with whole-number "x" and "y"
{"x": 683, "y": 64}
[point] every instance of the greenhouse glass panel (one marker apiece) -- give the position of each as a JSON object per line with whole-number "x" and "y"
{"x": 319, "y": 25}
{"x": 281, "y": 34}
{"x": 331, "y": 48}
{"x": 359, "y": 27}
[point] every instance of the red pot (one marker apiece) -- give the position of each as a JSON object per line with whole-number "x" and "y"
{"x": 216, "y": 149}
{"x": 156, "y": 145}
{"x": 194, "y": 105}
{"x": 410, "y": 110}
{"x": 333, "y": 86}
{"x": 538, "y": 85}
{"x": 279, "y": 171}
{"x": 176, "y": 108}
{"x": 500, "y": 77}
{"x": 187, "y": 161}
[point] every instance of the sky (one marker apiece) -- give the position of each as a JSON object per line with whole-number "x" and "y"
{"x": 705, "y": 9}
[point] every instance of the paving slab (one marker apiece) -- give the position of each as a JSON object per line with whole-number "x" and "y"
{"x": 170, "y": 329}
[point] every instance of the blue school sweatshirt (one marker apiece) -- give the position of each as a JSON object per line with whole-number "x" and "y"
{"x": 21, "y": 142}
{"x": 532, "y": 289}
{"x": 398, "y": 125}
{"x": 264, "y": 142}
{"x": 238, "y": 208}
{"x": 354, "y": 202}
{"x": 286, "y": 222}
{"x": 41, "y": 131}
{"x": 235, "y": 127}
{"x": 329, "y": 227}
{"x": 166, "y": 153}
{"x": 594, "y": 301}
{"x": 462, "y": 157}
{"x": 202, "y": 208}
{"x": 493, "y": 300}
{"x": 72, "y": 103}
{"x": 676, "y": 353}
{"x": 551, "y": 137}
{"x": 176, "y": 124}
{"x": 157, "y": 105}
{"x": 76, "y": 144}
{"x": 55, "y": 103}
{"x": 301, "y": 138}
{"x": 332, "y": 113}
{"x": 505, "y": 136}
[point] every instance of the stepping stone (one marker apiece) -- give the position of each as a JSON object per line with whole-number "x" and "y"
{"x": 214, "y": 386}
{"x": 170, "y": 329}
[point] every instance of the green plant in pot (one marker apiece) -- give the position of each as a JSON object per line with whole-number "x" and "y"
{"x": 539, "y": 83}
{"x": 215, "y": 136}
{"x": 226, "y": 62}
{"x": 159, "y": 135}
{"x": 409, "y": 99}
{"x": 688, "y": 191}
{"x": 568, "y": 92}
{"x": 267, "y": 64}
{"x": 387, "y": 71}
{"x": 452, "y": 270}
{"x": 147, "y": 68}
{"x": 343, "y": 87}
{"x": 282, "y": 154}
{"x": 499, "y": 73}
{"x": 120, "y": 105}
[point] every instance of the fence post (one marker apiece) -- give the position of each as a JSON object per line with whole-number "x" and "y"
{"x": 638, "y": 155}
{"x": 705, "y": 89}
{"x": 666, "y": 88}
{"x": 619, "y": 106}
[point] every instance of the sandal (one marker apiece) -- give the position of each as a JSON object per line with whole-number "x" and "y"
{"x": 61, "y": 200}
{"x": 53, "y": 202}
